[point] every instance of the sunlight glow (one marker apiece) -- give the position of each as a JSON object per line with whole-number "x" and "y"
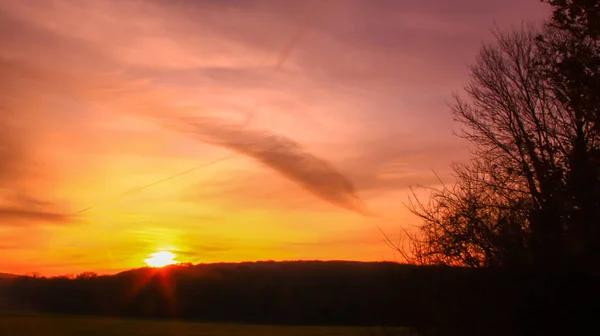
{"x": 160, "y": 259}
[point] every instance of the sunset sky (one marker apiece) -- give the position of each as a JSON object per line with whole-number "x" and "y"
{"x": 305, "y": 123}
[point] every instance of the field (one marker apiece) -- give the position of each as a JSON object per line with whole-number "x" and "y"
{"x": 43, "y": 325}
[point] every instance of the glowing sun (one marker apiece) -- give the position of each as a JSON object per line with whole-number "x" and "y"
{"x": 160, "y": 259}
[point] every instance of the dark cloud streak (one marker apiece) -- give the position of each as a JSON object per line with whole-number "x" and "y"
{"x": 17, "y": 214}
{"x": 279, "y": 153}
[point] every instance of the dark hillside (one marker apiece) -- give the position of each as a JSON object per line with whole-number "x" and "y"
{"x": 308, "y": 293}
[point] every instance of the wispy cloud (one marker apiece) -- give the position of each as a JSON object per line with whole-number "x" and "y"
{"x": 20, "y": 215}
{"x": 281, "y": 154}
{"x": 20, "y": 203}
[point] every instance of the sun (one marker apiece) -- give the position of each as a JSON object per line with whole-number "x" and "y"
{"x": 161, "y": 259}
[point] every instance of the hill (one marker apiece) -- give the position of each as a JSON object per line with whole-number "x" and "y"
{"x": 7, "y": 275}
{"x": 307, "y": 293}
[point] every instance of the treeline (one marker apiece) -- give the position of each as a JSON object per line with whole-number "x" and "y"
{"x": 314, "y": 293}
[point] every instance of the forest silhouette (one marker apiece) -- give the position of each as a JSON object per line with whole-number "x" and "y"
{"x": 431, "y": 299}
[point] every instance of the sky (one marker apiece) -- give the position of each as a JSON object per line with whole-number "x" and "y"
{"x": 224, "y": 131}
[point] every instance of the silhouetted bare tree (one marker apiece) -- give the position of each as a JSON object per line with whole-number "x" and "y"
{"x": 473, "y": 223}
{"x": 529, "y": 196}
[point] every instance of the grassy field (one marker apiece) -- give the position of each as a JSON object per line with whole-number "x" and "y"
{"x": 41, "y": 325}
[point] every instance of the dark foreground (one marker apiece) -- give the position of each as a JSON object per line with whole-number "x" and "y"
{"x": 41, "y": 325}
{"x": 464, "y": 301}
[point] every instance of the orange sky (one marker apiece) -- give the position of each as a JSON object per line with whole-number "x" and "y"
{"x": 101, "y": 97}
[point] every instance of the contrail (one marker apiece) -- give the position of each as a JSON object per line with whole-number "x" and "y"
{"x": 300, "y": 33}
{"x": 146, "y": 186}
{"x": 275, "y": 151}
{"x": 283, "y": 56}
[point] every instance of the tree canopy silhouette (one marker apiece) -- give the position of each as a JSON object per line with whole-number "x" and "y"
{"x": 581, "y": 17}
{"x": 530, "y": 195}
